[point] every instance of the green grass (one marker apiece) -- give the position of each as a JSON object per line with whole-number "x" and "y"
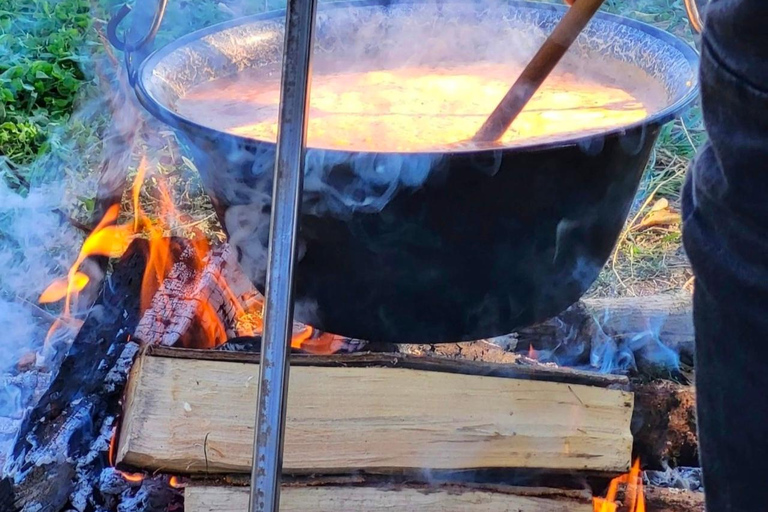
{"x": 653, "y": 260}
{"x": 43, "y": 44}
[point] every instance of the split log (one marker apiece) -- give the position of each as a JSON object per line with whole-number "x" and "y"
{"x": 194, "y": 416}
{"x": 669, "y": 316}
{"x": 62, "y": 446}
{"x": 664, "y": 425}
{"x": 453, "y": 498}
{"x": 664, "y": 417}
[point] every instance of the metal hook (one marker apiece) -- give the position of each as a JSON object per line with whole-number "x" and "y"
{"x": 127, "y": 46}
{"x": 112, "y": 27}
{"x": 130, "y": 47}
{"x": 694, "y": 16}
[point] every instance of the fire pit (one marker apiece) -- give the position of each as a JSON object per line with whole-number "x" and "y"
{"x": 407, "y": 235}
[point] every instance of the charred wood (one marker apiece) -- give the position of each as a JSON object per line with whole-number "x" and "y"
{"x": 480, "y": 350}
{"x": 211, "y": 303}
{"x": 177, "y": 312}
{"x": 331, "y": 344}
{"x": 62, "y": 447}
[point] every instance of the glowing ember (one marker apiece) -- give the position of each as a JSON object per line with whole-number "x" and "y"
{"x": 111, "y": 452}
{"x": 413, "y": 109}
{"x": 324, "y": 344}
{"x": 634, "y": 499}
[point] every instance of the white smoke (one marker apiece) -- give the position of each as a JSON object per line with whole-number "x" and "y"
{"x": 36, "y": 246}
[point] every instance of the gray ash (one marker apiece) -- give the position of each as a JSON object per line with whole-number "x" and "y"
{"x": 60, "y": 458}
{"x": 690, "y": 479}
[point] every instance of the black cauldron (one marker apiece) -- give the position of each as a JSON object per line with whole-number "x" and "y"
{"x": 428, "y": 247}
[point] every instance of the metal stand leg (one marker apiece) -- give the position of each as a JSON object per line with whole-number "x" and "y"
{"x": 278, "y": 307}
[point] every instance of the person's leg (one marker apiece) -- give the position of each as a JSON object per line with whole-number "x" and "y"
{"x": 725, "y": 206}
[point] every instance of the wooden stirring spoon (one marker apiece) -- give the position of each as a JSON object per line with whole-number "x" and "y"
{"x": 537, "y": 70}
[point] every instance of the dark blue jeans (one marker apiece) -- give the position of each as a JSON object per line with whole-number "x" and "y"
{"x": 725, "y": 230}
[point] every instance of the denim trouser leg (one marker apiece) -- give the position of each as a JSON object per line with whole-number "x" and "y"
{"x": 725, "y": 207}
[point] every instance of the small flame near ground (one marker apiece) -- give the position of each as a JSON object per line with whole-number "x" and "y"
{"x": 112, "y": 239}
{"x": 133, "y": 478}
{"x": 634, "y": 498}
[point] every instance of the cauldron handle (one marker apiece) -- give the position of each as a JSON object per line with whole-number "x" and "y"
{"x": 694, "y": 15}
{"x": 144, "y": 43}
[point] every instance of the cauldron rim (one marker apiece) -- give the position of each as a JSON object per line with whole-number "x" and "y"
{"x": 174, "y": 119}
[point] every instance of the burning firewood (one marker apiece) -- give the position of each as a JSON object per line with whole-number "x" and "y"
{"x": 205, "y": 300}
{"x": 59, "y": 460}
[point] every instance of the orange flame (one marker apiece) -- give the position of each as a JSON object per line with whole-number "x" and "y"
{"x": 325, "y": 344}
{"x": 112, "y": 240}
{"x": 174, "y": 482}
{"x": 105, "y": 240}
{"x": 633, "y": 492}
{"x": 111, "y": 452}
{"x": 138, "y": 181}
{"x": 297, "y": 340}
{"x": 214, "y": 333}
{"x": 132, "y": 477}
{"x": 59, "y": 288}
{"x": 159, "y": 259}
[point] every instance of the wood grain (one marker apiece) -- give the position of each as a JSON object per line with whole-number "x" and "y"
{"x": 533, "y": 371}
{"x": 372, "y": 499}
{"x": 193, "y": 416}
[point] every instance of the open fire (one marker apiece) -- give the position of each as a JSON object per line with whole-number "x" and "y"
{"x": 112, "y": 237}
{"x": 634, "y": 498}
{"x": 188, "y": 298}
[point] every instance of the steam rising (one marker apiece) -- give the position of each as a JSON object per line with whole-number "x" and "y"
{"x": 340, "y": 184}
{"x": 37, "y": 243}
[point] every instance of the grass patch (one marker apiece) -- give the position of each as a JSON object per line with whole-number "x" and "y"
{"x": 43, "y": 44}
